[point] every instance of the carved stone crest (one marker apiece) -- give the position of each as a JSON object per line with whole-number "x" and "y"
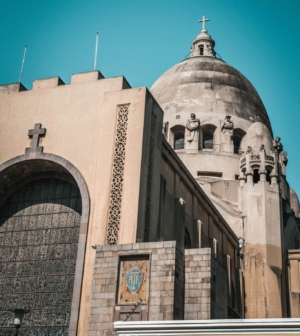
{"x": 134, "y": 279}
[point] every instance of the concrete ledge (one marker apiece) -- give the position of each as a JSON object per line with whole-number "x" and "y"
{"x": 270, "y": 326}
{"x": 12, "y": 88}
{"x": 88, "y": 76}
{"x": 47, "y": 83}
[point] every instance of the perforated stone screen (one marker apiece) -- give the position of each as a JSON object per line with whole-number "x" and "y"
{"x": 39, "y": 232}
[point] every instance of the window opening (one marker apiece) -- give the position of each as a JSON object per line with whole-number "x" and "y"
{"x": 268, "y": 177}
{"x": 179, "y": 141}
{"x": 208, "y": 140}
{"x": 201, "y": 49}
{"x": 236, "y": 143}
{"x": 187, "y": 240}
{"x": 255, "y": 176}
{"x": 39, "y": 233}
{"x": 212, "y": 174}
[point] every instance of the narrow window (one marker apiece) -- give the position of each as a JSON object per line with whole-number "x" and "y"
{"x": 236, "y": 143}
{"x": 179, "y": 141}
{"x": 208, "y": 140}
{"x": 211, "y": 174}
{"x": 268, "y": 178}
{"x": 237, "y": 137}
{"x": 201, "y": 49}
{"x": 187, "y": 240}
{"x": 256, "y": 176}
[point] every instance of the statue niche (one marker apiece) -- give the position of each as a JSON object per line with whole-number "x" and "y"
{"x": 192, "y": 132}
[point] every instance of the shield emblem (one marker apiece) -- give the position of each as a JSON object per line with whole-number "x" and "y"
{"x": 134, "y": 279}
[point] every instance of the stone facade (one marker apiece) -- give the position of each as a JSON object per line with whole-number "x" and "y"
{"x": 239, "y": 164}
{"x": 199, "y": 232}
{"x": 182, "y": 284}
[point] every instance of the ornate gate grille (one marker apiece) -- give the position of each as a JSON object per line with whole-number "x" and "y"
{"x": 39, "y": 232}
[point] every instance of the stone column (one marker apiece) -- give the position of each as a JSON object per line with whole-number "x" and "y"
{"x": 249, "y": 172}
{"x": 274, "y": 174}
{"x": 262, "y": 169}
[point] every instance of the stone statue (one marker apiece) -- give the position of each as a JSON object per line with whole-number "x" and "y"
{"x": 262, "y": 148}
{"x": 277, "y": 145}
{"x": 283, "y": 160}
{"x": 165, "y": 129}
{"x": 249, "y": 150}
{"x": 228, "y": 125}
{"x": 192, "y": 129}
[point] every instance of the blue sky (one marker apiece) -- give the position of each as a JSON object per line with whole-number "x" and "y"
{"x": 141, "y": 39}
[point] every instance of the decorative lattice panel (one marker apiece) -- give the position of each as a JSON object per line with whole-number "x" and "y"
{"x": 39, "y": 232}
{"x": 117, "y": 176}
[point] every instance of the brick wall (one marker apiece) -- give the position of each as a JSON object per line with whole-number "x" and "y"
{"x": 198, "y": 280}
{"x": 166, "y": 283}
{"x": 182, "y": 284}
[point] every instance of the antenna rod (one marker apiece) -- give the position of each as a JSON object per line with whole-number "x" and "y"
{"x": 23, "y": 63}
{"x": 96, "y": 51}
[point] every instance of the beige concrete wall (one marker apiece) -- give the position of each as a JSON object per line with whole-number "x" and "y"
{"x": 210, "y": 161}
{"x": 262, "y": 264}
{"x": 80, "y": 120}
{"x": 294, "y": 282}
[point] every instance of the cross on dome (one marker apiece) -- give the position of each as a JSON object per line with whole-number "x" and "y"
{"x": 204, "y": 19}
{"x": 203, "y": 45}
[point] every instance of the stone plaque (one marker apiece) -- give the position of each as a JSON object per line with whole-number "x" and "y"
{"x": 133, "y": 279}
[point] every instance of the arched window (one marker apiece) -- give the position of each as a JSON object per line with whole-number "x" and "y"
{"x": 179, "y": 140}
{"x": 39, "y": 231}
{"x": 238, "y": 135}
{"x": 201, "y": 49}
{"x": 268, "y": 177}
{"x": 256, "y": 176}
{"x": 208, "y": 140}
{"x": 236, "y": 143}
{"x": 208, "y": 136}
{"x": 178, "y": 136}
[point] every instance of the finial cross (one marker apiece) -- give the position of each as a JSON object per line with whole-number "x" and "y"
{"x": 35, "y": 134}
{"x": 204, "y": 19}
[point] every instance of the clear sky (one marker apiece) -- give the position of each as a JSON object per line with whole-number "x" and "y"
{"x": 141, "y": 39}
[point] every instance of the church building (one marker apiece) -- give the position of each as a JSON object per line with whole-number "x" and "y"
{"x": 135, "y": 211}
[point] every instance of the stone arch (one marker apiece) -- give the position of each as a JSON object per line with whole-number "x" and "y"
{"x": 238, "y": 135}
{"x": 178, "y": 136}
{"x": 208, "y": 136}
{"x": 21, "y": 170}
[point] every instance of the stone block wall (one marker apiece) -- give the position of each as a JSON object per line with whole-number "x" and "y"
{"x": 198, "y": 279}
{"x": 166, "y": 284}
{"x": 206, "y": 286}
{"x": 294, "y": 282}
{"x": 182, "y": 284}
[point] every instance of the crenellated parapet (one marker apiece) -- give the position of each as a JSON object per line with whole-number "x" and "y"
{"x": 258, "y": 167}
{"x": 52, "y": 82}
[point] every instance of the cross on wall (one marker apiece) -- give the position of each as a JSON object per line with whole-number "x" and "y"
{"x": 35, "y": 134}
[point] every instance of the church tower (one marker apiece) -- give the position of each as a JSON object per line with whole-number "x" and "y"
{"x": 220, "y": 129}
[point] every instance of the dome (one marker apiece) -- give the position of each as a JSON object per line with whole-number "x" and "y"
{"x": 210, "y": 88}
{"x": 257, "y": 135}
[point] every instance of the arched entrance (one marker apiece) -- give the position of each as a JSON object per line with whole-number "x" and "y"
{"x": 43, "y": 221}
